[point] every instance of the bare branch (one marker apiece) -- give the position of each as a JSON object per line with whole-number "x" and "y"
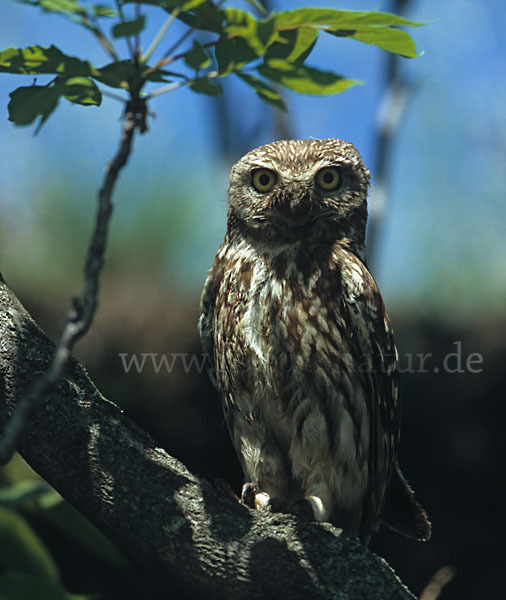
{"x": 160, "y": 515}
{"x": 80, "y": 315}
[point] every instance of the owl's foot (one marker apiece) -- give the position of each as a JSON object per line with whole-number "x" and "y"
{"x": 260, "y": 500}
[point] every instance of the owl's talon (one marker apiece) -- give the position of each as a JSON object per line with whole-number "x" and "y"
{"x": 248, "y": 494}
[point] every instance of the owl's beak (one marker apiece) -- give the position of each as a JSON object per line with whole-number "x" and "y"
{"x": 294, "y": 209}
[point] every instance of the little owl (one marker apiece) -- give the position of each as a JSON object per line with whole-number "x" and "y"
{"x": 299, "y": 343}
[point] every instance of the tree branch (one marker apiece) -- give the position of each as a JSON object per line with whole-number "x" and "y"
{"x": 164, "y": 518}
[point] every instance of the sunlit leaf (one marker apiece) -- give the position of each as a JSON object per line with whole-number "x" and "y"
{"x": 206, "y": 86}
{"x": 258, "y": 34}
{"x": 72, "y": 7}
{"x": 370, "y": 27}
{"x": 81, "y": 90}
{"x": 305, "y": 80}
{"x": 293, "y": 45}
{"x": 65, "y": 6}
{"x": 35, "y": 60}
{"x": 126, "y": 28}
{"x": 198, "y": 57}
{"x": 391, "y": 40}
{"x": 265, "y": 92}
{"x": 233, "y": 54}
{"x": 344, "y": 19}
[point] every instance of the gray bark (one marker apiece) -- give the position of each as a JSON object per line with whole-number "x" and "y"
{"x": 164, "y": 518}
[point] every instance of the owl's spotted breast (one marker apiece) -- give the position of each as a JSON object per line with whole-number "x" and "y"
{"x": 283, "y": 361}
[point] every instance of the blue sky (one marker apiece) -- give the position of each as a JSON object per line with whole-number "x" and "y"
{"x": 444, "y": 238}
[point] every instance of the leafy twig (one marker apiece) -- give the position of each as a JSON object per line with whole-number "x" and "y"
{"x": 80, "y": 315}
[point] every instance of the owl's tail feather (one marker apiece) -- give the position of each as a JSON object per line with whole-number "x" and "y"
{"x": 402, "y": 512}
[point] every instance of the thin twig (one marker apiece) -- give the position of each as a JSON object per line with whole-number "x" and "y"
{"x": 112, "y": 95}
{"x": 137, "y": 38}
{"x": 159, "y": 35}
{"x": 105, "y": 42}
{"x": 80, "y": 315}
{"x": 166, "y": 88}
{"x": 122, "y": 19}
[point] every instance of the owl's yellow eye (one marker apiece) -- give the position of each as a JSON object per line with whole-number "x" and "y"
{"x": 328, "y": 178}
{"x": 263, "y": 179}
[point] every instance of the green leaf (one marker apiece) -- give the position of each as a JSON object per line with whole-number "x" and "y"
{"x": 206, "y": 17}
{"x": 22, "y": 550}
{"x": 293, "y": 45}
{"x": 170, "y": 5}
{"x": 233, "y": 54}
{"x": 206, "y": 86}
{"x": 80, "y": 90}
{"x": 27, "y": 103}
{"x": 23, "y": 492}
{"x": 342, "y": 19}
{"x": 198, "y": 57}
{"x": 265, "y": 92}
{"x": 258, "y": 6}
{"x": 103, "y": 11}
{"x": 64, "y": 6}
{"x": 72, "y": 7}
{"x": 259, "y": 34}
{"x": 376, "y": 28}
{"x": 126, "y": 28}
{"x": 391, "y": 40}
{"x": 35, "y": 60}
{"x": 118, "y": 74}
{"x": 305, "y": 80}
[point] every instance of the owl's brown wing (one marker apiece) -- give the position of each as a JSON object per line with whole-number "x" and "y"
{"x": 389, "y": 496}
{"x": 206, "y": 321}
{"x": 373, "y": 344}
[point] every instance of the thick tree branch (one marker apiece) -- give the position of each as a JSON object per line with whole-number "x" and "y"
{"x": 163, "y": 517}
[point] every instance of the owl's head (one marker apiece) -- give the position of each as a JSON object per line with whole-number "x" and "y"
{"x": 299, "y": 190}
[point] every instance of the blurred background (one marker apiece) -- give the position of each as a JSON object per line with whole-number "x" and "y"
{"x": 436, "y": 147}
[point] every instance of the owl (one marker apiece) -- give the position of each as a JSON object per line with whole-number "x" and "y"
{"x": 300, "y": 346}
